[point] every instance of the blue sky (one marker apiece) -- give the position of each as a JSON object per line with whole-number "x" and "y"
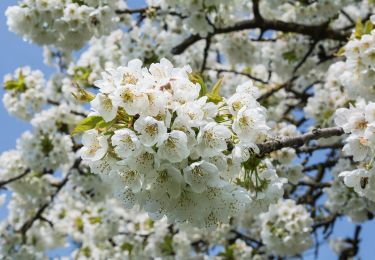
{"x": 14, "y": 52}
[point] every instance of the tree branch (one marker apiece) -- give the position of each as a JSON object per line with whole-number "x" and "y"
{"x": 298, "y": 141}
{"x": 38, "y": 215}
{"x": 3, "y": 183}
{"x": 317, "y": 32}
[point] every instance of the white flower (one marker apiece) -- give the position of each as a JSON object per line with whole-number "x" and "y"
{"x": 173, "y": 147}
{"x": 126, "y": 143}
{"x": 105, "y": 106}
{"x": 239, "y": 100}
{"x": 200, "y": 175}
{"x": 362, "y": 180}
{"x": 129, "y": 74}
{"x": 151, "y": 130}
{"x": 133, "y": 99}
{"x": 168, "y": 179}
{"x": 250, "y": 124}
{"x": 145, "y": 161}
{"x": 95, "y": 146}
{"x": 191, "y": 113}
{"x": 212, "y": 139}
{"x": 131, "y": 178}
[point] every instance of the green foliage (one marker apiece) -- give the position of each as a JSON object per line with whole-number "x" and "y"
{"x": 167, "y": 246}
{"x": 79, "y": 224}
{"x": 62, "y": 214}
{"x": 95, "y": 220}
{"x": 151, "y": 58}
{"x": 196, "y": 78}
{"x": 83, "y": 95}
{"x": 214, "y": 95}
{"x": 290, "y": 56}
{"x": 86, "y": 251}
{"x": 228, "y": 254}
{"x": 47, "y": 145}
{"x": 127, "y": 247}
{"x": 16, "y": 85}
{"x": 362, "y": 29}
{"x": 82, "y": 74}
{"x": 79, "y": 2}
{"x": 87, "y": 124}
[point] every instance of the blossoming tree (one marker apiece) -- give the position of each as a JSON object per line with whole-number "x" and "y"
{"x": 188, "y": 129}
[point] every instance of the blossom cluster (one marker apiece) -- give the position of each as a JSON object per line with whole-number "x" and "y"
{"x": 344, "y": 200}
{"x": 164, "y": 145}
{"x": 24, "y": 92}
{"x": 167, "y": 151}
{"x": 286, "y": 228}
{"x": 358, "y": 76}
{"x": 358, "y": 122}
{"x": 67, "y": 25}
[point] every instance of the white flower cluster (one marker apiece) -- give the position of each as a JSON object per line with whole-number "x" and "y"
{"x": 24, "y": 92}
{"x": 200, "y": 13}
{"x": 343, "y": 200}
{"x": 286, "y": 228}
{"x": 285, "y": 157}
{"x": 164, "y": 145}
{"x": 45, "y": 151}
{"x": 359, "y": 122}
{"x": 359, "y": 76}
{"x": 327, "y": 97}
{"x": 67, "y": 25}
{"x": 12, "y": 164}
{"x": 362, "y": 180}
{"x": 265, "y": 186}
{"x": 315, "y": 12}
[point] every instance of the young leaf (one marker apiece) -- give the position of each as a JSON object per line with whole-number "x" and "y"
{"x": 358, "y": 29}
{"x": 87, "y": 124}
{"x": 340, "y": 52}
{"x": 368, "y": 27}
{"x": 83, "y": 95}
{"x": 214, "y": 95}
{"x": 290, "y": 56}
{"x": 196, "y": 78}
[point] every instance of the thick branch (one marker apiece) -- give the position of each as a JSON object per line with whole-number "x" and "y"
{"x": 299, "y": 141}
{"x": 317, "y": 32}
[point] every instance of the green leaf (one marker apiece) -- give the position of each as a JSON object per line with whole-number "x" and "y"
{"x": 79, "y": 2}
{"x": 82, "y": 73}
{"x": 214, "y": 95}
{"x": 102, "y": 125}
{"x": 83, "y": 95}
{"x": 167, "y": 245}
{"x": 368, "y": 27}
{"x": 16, "y": 85}
{"x": 86, "y": 251}
{"x": 127, "y": 247}
{"x": 79, "y": 224}
{"x": 290, "y": 56}
{"x": 95, "y": 220}
{"x": 87, "y": 124}
{"x": 340, "y": 52}
{"x": 47, "y": 145}
{"x": 196, "y": 78}
{"x": 358, "y": 29}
